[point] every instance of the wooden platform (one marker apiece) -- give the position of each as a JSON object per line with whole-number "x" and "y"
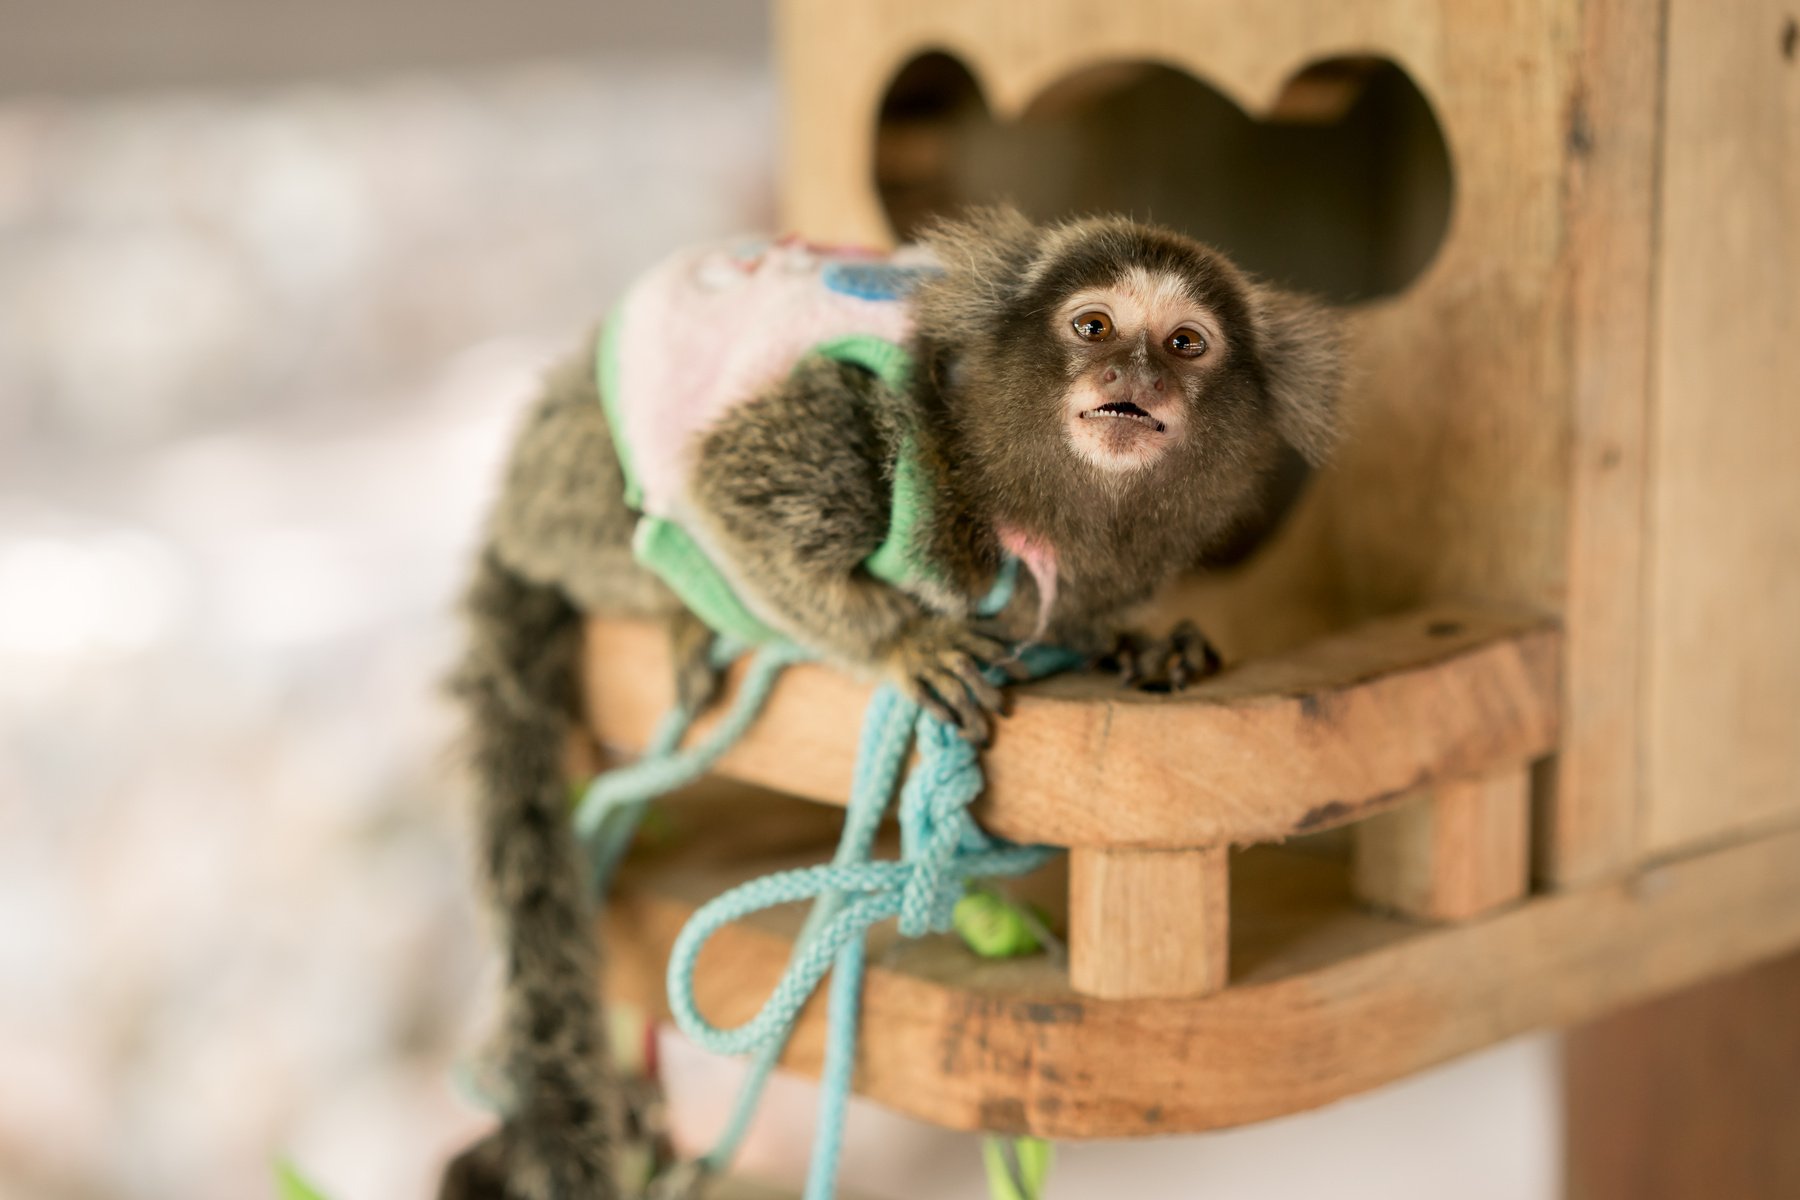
{"x": 1325, "y": 999}
{"x": 1223, "y": 893}
{"x": 1296, "y": 743}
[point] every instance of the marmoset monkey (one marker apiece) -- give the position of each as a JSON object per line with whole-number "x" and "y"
{"x": 847, "y": 451}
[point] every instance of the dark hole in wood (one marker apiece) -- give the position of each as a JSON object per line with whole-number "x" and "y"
{"x": 1343, "y": 189}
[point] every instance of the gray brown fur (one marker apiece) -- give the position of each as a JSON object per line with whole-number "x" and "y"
{"x": 794, "y": 491}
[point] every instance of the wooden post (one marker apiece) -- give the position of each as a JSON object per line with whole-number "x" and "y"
{"x": 1695, "y": 1094}
{"x": 1148, "y": 922}
{"x": 1460, "y": 850}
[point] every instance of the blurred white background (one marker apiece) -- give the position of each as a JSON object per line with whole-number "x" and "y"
{"x": 275, "y": 280}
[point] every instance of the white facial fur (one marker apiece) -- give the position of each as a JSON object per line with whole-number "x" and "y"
{"x": 1145, "y": 309}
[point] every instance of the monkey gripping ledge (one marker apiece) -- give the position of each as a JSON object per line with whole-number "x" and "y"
{"x": 1215, "y": 976}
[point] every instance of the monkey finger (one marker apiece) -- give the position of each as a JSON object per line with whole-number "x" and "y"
{"x": 932, "y": 702}
{"x": 986, "y": 694}
{"x": 1190, "y": 656}
{"x": 984, "y": 649}
{"x": 970, "y": 718}
{"x": 1126, "y": 659}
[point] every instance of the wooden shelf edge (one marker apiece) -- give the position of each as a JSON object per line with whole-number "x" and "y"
{"x": 1008, "y": 1047}
{"x": 1296, "y": 743}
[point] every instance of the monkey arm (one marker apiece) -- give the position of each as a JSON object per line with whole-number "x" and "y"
{"x": 793, "y": 488}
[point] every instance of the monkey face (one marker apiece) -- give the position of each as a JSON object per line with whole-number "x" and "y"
{"x": 1139, "y": 352}
{"x": 1102, "y": 350}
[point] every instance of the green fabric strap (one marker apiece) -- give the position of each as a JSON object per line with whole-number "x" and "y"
{"x": 671, "y": 552}
{"x": 900, "y": 560}
{"x": 606, "y": 375}
{"x": 666, "y": 548}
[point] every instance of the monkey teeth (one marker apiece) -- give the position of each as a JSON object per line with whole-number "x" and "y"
{"x": 1125, "y": 411}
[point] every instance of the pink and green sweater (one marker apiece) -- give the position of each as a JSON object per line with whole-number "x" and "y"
{"x": 713, "y": 327}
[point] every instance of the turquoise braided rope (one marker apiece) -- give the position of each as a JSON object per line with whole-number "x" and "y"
{"x": 942, "y": 849}
{"x": 607, "y": 816}
{"x": 854, "y": 844}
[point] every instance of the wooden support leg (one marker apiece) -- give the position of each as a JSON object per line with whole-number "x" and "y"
{"x": 1148, "y": 922}
{"x": 1460, "y": 850}
{"x": 1696, "y": 1095}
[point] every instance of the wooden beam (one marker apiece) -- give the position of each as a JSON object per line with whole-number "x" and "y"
{"x": 1722, "y": 654}
{"x": 1148, "y": 922}
{"x": 1459, "y": 850}
{"x": 1696, "y": 1094}
{"x": 1326, "y": 999}
{"x": 1295, "y": 743}
{"x": 1610, "y": 155}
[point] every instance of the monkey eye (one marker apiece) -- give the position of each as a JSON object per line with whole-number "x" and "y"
{"x": 1187, "y": 342}
{"x": 1093, "y": 326}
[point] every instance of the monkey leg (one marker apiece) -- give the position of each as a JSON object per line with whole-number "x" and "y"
{"x": 793, "y": 491}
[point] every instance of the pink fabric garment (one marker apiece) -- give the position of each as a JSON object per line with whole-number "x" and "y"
{"x": 712, "y": 327}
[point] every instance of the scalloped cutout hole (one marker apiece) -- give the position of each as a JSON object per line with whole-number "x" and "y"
{"x": 1343, "y": 189}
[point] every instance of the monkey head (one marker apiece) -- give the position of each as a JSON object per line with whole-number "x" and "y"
{"x": 1121, "y": 366}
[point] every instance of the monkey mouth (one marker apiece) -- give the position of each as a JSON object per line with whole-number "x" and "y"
{"x": 1124, "y": 410}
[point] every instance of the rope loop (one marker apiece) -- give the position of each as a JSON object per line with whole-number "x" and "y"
{"x": 941, "y": 850}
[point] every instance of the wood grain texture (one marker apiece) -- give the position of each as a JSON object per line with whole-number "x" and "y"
{"x": 1591, "y": 819}
{"x": 1721, "y": 749}
{"x": 1294, "y": 743}
{"x": 1325, "y": 999}
{"x": 1148, "y": 922}
{"x": 1693, "y": 1095}
{"x": 1459, "y": 850}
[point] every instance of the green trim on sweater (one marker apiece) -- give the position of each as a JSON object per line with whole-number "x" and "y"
{"x": 901, "y": 560}
{"x": 606, "y": 376}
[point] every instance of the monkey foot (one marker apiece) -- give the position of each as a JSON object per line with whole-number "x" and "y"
{"x": 1162, "y": 664}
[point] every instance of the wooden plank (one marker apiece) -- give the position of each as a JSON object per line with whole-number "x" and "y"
{"x": 1696, "y": 1094}
{"x": 1590, "y": 818}
{"x": 1148, "y": 922}
{"x": 1294, "y": 743}
{"x": 1724, "y": 643}
{"x": 1457, "y": 851}
{"x": 1325, "y": 999}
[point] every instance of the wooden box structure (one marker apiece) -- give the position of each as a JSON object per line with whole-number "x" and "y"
{"x": 1532, "y": 638}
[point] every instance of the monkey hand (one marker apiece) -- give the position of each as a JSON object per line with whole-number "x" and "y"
{"x": 940, "y": 663}
{"x": 512, "y": 1164}
{"x": 1162, "y": 664}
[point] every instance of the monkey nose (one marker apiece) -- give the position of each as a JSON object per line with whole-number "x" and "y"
{"x": 1112, "y": 373}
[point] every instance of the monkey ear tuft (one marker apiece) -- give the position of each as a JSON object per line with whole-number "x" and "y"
{"x": 984, "y": 253}
{"x": 1302, "y": 348}
{"x": 985, "y": 235}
